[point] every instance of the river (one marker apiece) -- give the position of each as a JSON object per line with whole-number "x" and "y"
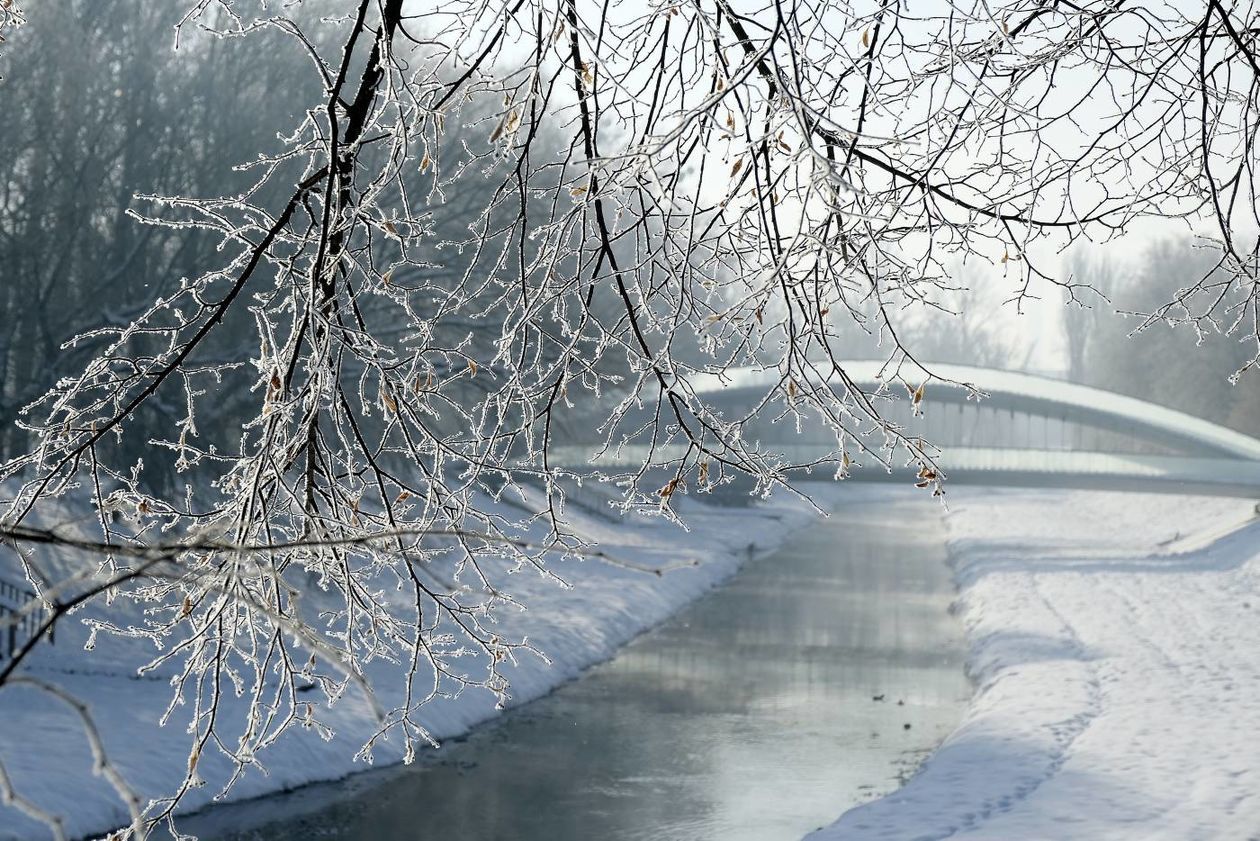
{"x": 816, "y": 678}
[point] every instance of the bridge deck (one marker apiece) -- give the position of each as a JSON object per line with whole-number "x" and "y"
{"x": 1016, "y": 468}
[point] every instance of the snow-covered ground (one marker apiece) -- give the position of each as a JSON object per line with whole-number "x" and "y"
{"x": 1115, "y": 646}
{"x": 43, "y": 749}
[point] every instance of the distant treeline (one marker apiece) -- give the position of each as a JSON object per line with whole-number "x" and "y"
{"x": 98, "y": 108}
{"x": 98, "y": 111}
{"x": 1170, "y": 364}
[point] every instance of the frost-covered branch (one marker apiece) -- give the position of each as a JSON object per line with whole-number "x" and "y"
{"x": 502, "y": 233}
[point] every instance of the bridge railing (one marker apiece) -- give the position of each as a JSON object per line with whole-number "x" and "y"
{"x": 1043, "y": 412}
{"x": 992, "y": 466}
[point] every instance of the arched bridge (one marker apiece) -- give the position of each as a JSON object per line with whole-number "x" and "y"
{"x": 1033, "y": 430}
{"x": 1028, "y": 430}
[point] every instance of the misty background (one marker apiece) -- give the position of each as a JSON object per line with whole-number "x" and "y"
{"x": 99, "y": 110}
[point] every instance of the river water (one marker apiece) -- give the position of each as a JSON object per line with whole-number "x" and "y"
{"x": 816, "y": 678}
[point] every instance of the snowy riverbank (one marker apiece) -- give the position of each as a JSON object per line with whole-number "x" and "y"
{"x": 1115, "y": 647}
{"x": 43, "y": 749}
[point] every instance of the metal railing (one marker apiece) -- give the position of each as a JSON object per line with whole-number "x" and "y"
{"x": 20, "y": 618}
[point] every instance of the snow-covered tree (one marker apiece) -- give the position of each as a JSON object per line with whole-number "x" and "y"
{"x": 648, "y": 193}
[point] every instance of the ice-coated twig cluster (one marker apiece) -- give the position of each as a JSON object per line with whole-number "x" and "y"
{"x": 645, "y": 195}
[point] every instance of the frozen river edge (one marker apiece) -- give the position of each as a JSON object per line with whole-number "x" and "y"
{"x": 1115, "y": 646}
{"x": 50, "y": 764}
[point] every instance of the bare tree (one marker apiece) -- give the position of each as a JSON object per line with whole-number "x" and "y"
{"x": 1185, "y": 369}
{"x": 95, "y": 116}
{"x": 1084, "y": 321}
{"x": 960, "y": 328}
{"x": 737, "y": 185}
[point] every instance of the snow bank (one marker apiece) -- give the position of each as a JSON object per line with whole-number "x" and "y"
{"x": 43, "y": 750}
{"x": 1115, "y": 647}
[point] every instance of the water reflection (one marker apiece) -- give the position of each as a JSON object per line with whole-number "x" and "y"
{"x": 748, "y": 716}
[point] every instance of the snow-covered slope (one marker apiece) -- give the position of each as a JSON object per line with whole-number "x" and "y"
{"x": 43, "y": 749}
{"x": 1115, "y": 645}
